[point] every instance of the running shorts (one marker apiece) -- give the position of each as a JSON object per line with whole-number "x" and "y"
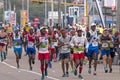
{"x": 43, "y": 56}
{"x": 78, "y": 56}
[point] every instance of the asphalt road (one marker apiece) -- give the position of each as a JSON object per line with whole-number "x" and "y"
{"x": 8, "y": 71}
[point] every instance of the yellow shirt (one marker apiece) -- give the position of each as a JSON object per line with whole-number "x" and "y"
{"x": 27, "y": 28}
{"x": 101, "y": 30}
{"x": 114, "y": 30}
{"x": 10, "y": 29}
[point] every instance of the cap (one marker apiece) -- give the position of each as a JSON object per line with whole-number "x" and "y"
{"x": 93, "y": 24}
{"x": 42, "y": 28}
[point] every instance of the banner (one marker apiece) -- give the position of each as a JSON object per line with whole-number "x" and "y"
{"x": 7, "y": 16}
{"x": 110, "y": 3}
{"x": 78, "y": 1}
{"x": 24, "y": 17}
{"x": 13, "y": 18}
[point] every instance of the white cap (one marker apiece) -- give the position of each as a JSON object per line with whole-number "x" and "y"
{"x": 42, "y": 27}
{"x": 93, "y": 24}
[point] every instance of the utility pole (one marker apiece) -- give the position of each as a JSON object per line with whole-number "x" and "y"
{"x": 118, "y": 15}
{"x": 59, "y": 13}
{"x": 28, "y": 3}
{"x": 22, "y": 4}
{"x": 6, "y": 4}
{"x": 45, "y": 20}
{"x": 52, "y": 9}
{"x": 65, "y": 20}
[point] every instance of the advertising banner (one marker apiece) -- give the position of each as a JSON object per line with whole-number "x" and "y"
{"x": 110, "y": 3}
{"x": 10, "y": 17}
{"x": 13, "y": 18}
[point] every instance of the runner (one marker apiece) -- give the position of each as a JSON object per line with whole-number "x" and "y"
{"x": 64, "y": 46}
{"x": 71, "y": 50}
{"x": 43, "y": 53}
{"x": 93, "y": 48}
{"x": 24, "y": 34}
{"x": 105, "y": 40}
{"x": 10, "y": 34}
{"x": 31, "y": 51}
{"x": 78, "y": 43}
{"x": 118, "y": 47}
{"x": 112, "y": 48}
{"x": 54, "y": 43}
{"x": 17, "y": 41}
{"x": 3, "y": 43}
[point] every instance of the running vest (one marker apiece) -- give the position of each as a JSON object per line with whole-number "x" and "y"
{"x": 66, "y": 42}
{"x": 80, "y": 42}
{"x": 17, "y": 41}
{"x": 31, "y": 40}
{"x": 94, "y": 39}
{"x": 3, "y": 39}
{"x": 44, "y": 43}
{"x": 105, "y": 44}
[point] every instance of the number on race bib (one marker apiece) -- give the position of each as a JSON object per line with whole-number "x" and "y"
{"x": 94, "y": 44}
{"x": 105, "y": 45}
{"x": 64, "y": 48}
{"x": 30, "y": 44}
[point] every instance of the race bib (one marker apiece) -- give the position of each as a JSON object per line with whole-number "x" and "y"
{"x": 18, "y": 46}
{"x": 30, "y": 44}
{"x": 95, "y": 44}
{"x": 64, "y": 48}
{"x": 105, "y": 45}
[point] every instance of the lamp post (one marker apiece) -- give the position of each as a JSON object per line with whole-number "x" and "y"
{"x": 65, "y": 14}
{"x": 118, "y": 15}
{"x": 113, "y": 14}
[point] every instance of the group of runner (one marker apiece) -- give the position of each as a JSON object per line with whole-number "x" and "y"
{"x": 69, "y": 45}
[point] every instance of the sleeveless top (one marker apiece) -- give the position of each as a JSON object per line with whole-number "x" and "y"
{"x": 105, "y": 44}
{"x": 44, "y": 44}
{"x": 31, "y": 40}
{"x": 3, "y": 39}
{"x": 17, "y": 41}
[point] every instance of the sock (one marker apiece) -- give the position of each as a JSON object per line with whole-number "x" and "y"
{"x": 42, "y": 69}
{"x": 46, "y": 66}
{"x": 80, "y": 69}
{"x": 54, "y": 56}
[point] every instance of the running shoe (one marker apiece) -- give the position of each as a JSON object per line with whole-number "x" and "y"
{"x": 110, "y": 70}
{"x": 89, "y": 70}
{"x": 75, "y": 72}
{"x": 106, "y": 69}
{"x": 80, "y": 76}
{"x": 64, "y": 75}
{"x": 94, "y": 73}
{"x": 43, "y": 77}
{"x": 46, "y": 73}
{"x": 67, "y": 74}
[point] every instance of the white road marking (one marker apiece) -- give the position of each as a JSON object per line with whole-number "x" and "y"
{"x": 28, "y": 71}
